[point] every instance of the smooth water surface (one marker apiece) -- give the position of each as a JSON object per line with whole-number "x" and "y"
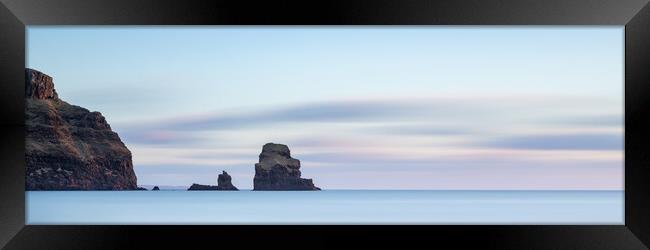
{"x": 325, "y": 207}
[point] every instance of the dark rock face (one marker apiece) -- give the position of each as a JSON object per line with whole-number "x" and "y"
{"x": 39, "y": 85}
{"x": 224, "y": 182}
{"x": 155, "y": 188}
{"x": 68, "y": 147}
{"x": 276, "y": 170}
{"x": 199, "y": 187}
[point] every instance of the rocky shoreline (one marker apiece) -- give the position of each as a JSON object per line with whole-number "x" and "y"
{"x": 68, "y": 147}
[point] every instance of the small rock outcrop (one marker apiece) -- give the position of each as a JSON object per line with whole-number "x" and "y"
{"x": 68, "y": 147}
{"x": 224, "y": 182}
{"x": 276, "y": 170}
{"x": 141, "y": 189}
{"x": 199, "y": 187}
{"x": 155, "y": 188}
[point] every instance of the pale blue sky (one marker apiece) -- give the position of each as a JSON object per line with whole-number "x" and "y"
{"x": 435, "y": 107}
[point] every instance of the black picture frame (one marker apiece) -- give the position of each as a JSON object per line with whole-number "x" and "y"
{"x": 633, "y": 14}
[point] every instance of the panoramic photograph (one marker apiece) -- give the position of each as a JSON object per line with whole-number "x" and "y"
{"x": 493, "y": 125}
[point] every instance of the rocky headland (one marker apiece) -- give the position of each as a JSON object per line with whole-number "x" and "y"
{"x": 67, "y": 147}
{"x": 277, "y": 170}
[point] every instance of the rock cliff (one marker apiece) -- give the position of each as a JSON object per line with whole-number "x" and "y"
{"x": 276, "y": 170}
{"x": 68, "y": 147}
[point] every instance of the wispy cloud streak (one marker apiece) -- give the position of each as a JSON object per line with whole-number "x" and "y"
{"x": 441, "y": 116}
{"x": 560, "y": 142}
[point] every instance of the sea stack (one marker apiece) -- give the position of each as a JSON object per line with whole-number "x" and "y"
{"x": 68, "y": 147}
{"x": 155, "y": 188}
{"x": 276, "y": 170}
{"x": 224, "y": 182}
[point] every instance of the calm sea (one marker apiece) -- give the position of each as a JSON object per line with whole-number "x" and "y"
{"x": 325, "y": 207}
